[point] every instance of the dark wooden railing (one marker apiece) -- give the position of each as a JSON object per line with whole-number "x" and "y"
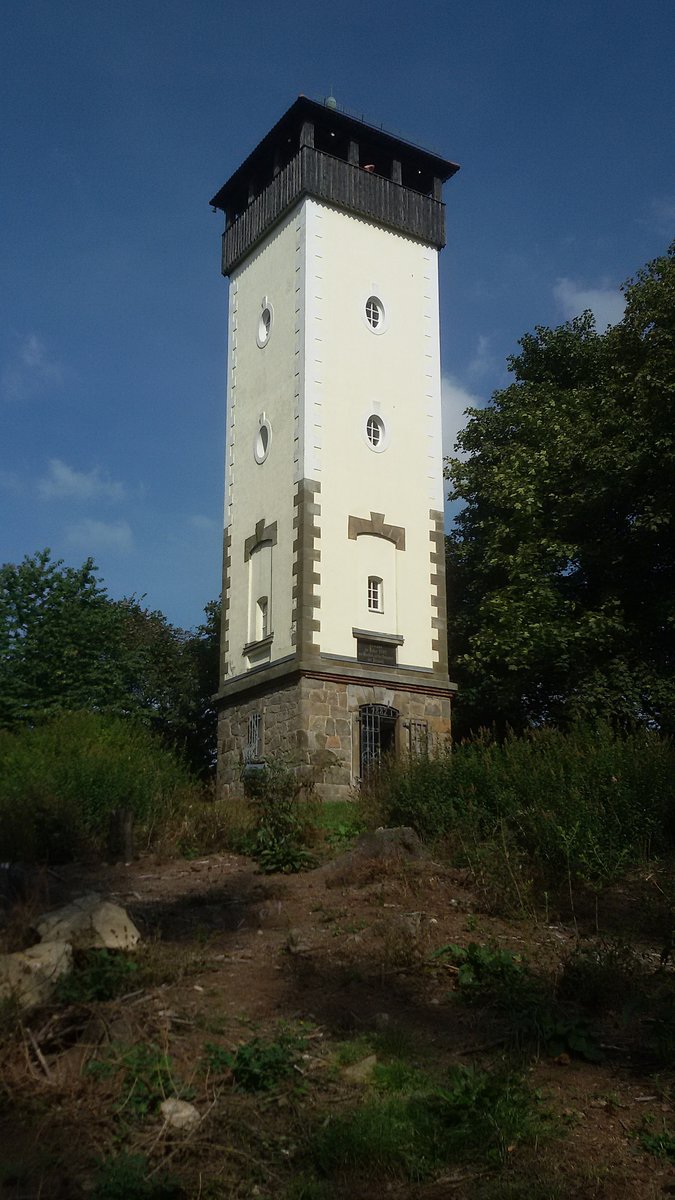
{"x": 346, "y": 186}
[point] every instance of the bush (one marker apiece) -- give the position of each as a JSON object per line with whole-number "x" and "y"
{"x": 588, "y": 804}
{"x": 277, "y": 797}
{"x": 61, "y": 782}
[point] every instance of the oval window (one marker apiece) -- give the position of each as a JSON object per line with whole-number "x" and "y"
{"x": 262, "y": 441}
{"x": 375, "y": 431}
{"x": 375, "y": 314}
{"x": 265, "y": 324}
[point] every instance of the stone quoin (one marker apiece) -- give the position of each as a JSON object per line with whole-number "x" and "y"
{"x": 334, "y": 643}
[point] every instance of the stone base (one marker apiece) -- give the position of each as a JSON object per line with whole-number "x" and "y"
{"x": 314, "y": 724}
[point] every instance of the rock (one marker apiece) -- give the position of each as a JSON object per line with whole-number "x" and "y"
{"x": 296, "y": 942}
{"x": 384, "y": 845}
{"x": 90, "y": 923}
{"x": 179, "y": 1114}
{"x": 361, "y": 1072}
{"x": 400, "y": 842}
{"x": 30, "y": 976}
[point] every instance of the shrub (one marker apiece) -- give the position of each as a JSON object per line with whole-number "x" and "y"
{"x": 277, "y": 797}
{"x": 61, "y": 782}
{"x": 585, "y": 804}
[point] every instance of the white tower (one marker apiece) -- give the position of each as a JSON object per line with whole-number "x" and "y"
{"x": 334, "y": 645}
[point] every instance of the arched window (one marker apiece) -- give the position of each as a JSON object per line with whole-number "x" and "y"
{"x": 378, "y": 734}
{"x": 375, "y": 597}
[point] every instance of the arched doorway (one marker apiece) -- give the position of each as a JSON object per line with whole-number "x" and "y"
{"x": 377, "y": 724}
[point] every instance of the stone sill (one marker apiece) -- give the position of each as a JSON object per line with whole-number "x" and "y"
{"x": 370, "y": 635}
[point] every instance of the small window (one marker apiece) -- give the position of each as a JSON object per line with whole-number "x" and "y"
{"x": 253, "y": 747}
{"x": 263, "y": 438}
{"x": 374, "y": 594}
{"x": 374, "y": 313}
{"x": 262, "y": 629}
{"x": 375, "y": 432}
{"x": 265, "y": 322}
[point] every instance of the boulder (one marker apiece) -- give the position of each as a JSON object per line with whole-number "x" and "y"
{"x": 361, "y": 1072}
{"x": 383, "y": 845}
{"x": 90, "y": 923}
{"x": 30, "y": 976}
{"x": 179, "y": 1114}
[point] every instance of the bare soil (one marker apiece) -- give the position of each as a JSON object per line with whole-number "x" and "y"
{"x": 230, "y": 954}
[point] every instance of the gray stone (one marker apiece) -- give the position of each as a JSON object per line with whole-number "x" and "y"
{"x": 90, "y": 923}
{"x": 361, "y": 1072}
{"x": 179, "y": 1114}
{"x": 30, "y": 976}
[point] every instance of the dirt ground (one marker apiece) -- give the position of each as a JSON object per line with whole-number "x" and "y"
{"x": 344, "y": 955}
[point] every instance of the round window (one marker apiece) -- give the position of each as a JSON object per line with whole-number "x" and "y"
{"x": 374, "y": 313}
{"x": 375, "y": 432}
{"x": 262, "y": 441}
{"x": 265, "y": 324}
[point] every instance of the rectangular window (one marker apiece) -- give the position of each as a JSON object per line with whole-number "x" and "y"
{"x": 418, "y": 733}
{"x": 374, "y": 594}
{"x": 253, "y": 747}
{"x": 263, "y": 621}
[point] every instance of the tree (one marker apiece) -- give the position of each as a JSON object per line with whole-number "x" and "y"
{"x": 562, "y": 563}
{"x": 65, "y": 645}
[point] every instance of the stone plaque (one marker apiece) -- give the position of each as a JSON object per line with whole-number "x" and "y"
{"x": 382, "y": 654}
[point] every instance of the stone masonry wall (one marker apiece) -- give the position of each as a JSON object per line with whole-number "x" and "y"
{"x": 314, "y": 724}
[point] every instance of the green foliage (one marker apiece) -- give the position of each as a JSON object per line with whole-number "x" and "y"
{"x": 661, "y": 1144}
{"x": 492, "y": 977}
{"x": 66, "y": 646}
{"x": 61, "y": 781}
{"x": 561, "y": 566}
{"x": 478, "y": 1116}
{"x": 96, "y": 975}
{"x": 585, "y": 805}
{"x": 146, "y": 1076}
{"x": 276, "y": 795}
{"x": 258, "y": 1065}
{"x": 127, "y": 1177}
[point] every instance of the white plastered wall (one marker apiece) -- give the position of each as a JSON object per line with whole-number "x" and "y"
{"x": 350, "y": 372}
{"x": 262, "y": 383}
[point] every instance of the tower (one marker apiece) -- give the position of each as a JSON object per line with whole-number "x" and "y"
{"x": 334, "y": 646}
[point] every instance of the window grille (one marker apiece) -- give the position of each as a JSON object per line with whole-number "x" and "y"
{"x": 418, "y": 739}
{"x": 374, "y": 430}
{"x": 374, "y": 593}
{"x": 373, "y": 312}
{"x": 378, "y": 734}
{"x": 253, "y": 747}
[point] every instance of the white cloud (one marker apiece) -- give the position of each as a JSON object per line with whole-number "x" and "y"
{"x": 454, "y": 400}
{"x": 62, "y": 481}
{"x": 30, "y": 370}
{"x": 208, "y": 524}
{"x": 94, "y": 536}
{"x": 606, "y": 303}
{"x": 482, "y": 362}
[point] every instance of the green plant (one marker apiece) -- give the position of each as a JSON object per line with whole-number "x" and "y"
{"x": 276, "y": 795}
{"x": 61, "y": 782}
{"x": 661, "y": 1143}
{"x": 127, "y": 1177}
{"x": 97, "y": 975}
{"x": 257, "y": 1065}
{"x": 478, "y": 1116}
{"x": 146, "y": 1076}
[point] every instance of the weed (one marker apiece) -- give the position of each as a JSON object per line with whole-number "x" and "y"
{"x": 97, "y": 975}
{"x": 257, "y": 1065}
{"x": 126, "y": 1177}
{"x": 347, "y": 1053}
{"x": 478, "y": 1116}
{"x": 146, "y": 1076}
{"x": 600, "y": 977}
{"x": 279, "y": 843}
{"x": 661, "y": 1144}
{"x": 398, "y": 1076}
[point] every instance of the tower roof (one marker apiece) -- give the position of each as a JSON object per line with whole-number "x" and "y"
{"x": 331, "y": 121}
{"x": 316, "y": 150}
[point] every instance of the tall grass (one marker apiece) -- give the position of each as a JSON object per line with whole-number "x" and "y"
{"x": 588, "y": 803}
{"x": 61, "y": 781}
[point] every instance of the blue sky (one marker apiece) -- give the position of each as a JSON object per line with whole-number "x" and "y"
{"x": 120, "y": 120}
